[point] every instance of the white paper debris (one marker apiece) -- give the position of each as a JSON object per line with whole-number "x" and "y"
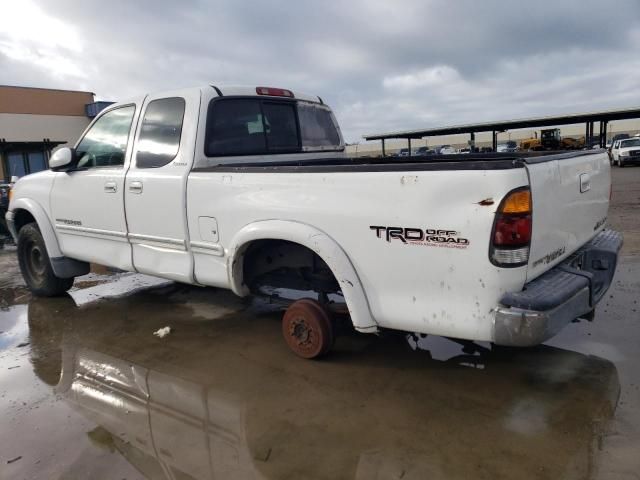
{"x": 162, "y": 332}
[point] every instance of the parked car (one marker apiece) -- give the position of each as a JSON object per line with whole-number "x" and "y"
{"x": 620, "y": 136}
{"x": 403, "y": 152}
{"x": 626, "y": 152}
{"x": 464, "y": 150}
{"x": 508, "y": 146}
{"x": 445, "y": 150}
{"x": 424, "y": 151}
{"x": 613, "y": 151}
{"x": 256, "y": 195}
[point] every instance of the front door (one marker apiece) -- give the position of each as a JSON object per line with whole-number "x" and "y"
{"x": 155, "y": 190}
{"x": 88, "y": 203}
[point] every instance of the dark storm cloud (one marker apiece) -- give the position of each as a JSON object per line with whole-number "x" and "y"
{"x": 381, "y": 65}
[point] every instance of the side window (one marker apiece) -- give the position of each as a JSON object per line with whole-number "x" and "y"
{"x": 105, "y": 144}
{"x": 319, "y": 129}
{"x": 159, "y": 139}
{"x": 251, "y": 127}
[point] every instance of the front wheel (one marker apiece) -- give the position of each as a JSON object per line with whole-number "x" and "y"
{"x": 35, "y": 264}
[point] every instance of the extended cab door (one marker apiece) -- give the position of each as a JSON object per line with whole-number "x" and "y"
{"x": 87, "y": 203}
{"x": 155, "y": 190}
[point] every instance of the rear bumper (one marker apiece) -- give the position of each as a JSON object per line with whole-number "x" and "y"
{"x": 568, "y": 291}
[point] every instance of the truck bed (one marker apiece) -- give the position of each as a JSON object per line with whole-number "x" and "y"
{"x": 475, "y": 161}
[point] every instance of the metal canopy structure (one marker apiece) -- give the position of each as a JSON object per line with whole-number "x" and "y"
{"x": 589, "y": 119}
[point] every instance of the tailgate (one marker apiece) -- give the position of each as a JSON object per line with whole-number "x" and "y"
{"x": 570, "y": 196}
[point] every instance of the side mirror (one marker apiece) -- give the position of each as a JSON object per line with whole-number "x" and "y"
{"x": 62, "y": 158}
{"x": 14, "y": 179}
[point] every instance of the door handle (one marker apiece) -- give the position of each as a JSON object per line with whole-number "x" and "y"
{"x": 135, "y": 187}
{"x": 110, "y": 187}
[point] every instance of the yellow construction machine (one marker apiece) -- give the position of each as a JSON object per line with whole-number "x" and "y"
{"x": 550, "y": 139}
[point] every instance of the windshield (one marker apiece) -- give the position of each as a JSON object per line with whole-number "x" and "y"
{"x": 633, "y": 142}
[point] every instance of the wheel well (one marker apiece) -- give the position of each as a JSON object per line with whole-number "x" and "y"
{"x": 280, "y": 264}
{"x": 21, "y": 218}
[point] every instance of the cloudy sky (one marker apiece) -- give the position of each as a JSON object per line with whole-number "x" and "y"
{"x": 382, "y": 65}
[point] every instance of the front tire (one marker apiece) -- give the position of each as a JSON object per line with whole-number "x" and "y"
{"x": 35, "y": 264}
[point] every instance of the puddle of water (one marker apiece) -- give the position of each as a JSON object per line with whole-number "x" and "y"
{"x": 95, "y": 394}
{"x": 226, "y": 399}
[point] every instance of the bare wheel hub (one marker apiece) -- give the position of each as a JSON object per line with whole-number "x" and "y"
{"x": 307, "y": 328}
{"x": 301, "y": 331}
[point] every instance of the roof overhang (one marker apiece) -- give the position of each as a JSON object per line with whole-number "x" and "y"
{"x": 503, "y": 125}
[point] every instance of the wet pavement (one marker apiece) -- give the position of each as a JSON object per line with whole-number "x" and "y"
{"x": 89, "y": 392}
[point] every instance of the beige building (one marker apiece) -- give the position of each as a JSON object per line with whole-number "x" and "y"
{"x": 33, "y": 121}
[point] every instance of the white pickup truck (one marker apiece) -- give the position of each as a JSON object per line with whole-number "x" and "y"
{"x": 250, "y": 189}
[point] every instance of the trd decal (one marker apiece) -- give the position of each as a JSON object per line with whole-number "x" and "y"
{"x": 418, "y": 236}
{"x": 65, "y": 221}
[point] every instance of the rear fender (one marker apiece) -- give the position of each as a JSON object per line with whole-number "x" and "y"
{"x": 315, "y": 240}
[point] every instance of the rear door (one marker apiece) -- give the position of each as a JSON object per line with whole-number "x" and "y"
{"x": 570, "y": 198}
{"x": 155, "y": 187}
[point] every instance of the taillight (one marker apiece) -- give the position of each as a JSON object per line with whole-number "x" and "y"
{"x": 274, "y": 92}
{"x": 511, "y": 235}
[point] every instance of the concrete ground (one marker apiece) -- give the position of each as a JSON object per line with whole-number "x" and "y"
{"x": 89, "y": 392}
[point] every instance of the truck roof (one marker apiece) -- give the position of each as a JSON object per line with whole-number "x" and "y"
{"x": 232, "y": 90}
{"x": 248, "y": 90}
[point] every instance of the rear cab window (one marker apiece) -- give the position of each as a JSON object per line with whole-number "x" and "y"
{"x": 267, "y": 126}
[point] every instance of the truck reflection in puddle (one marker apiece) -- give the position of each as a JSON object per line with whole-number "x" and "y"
{"x": 221, "y": 397}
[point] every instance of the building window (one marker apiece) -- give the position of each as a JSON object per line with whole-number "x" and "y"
{"x": 19, "y": 163}
{"x": 36, "y": 162}
{"x": 15, "y": 164}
